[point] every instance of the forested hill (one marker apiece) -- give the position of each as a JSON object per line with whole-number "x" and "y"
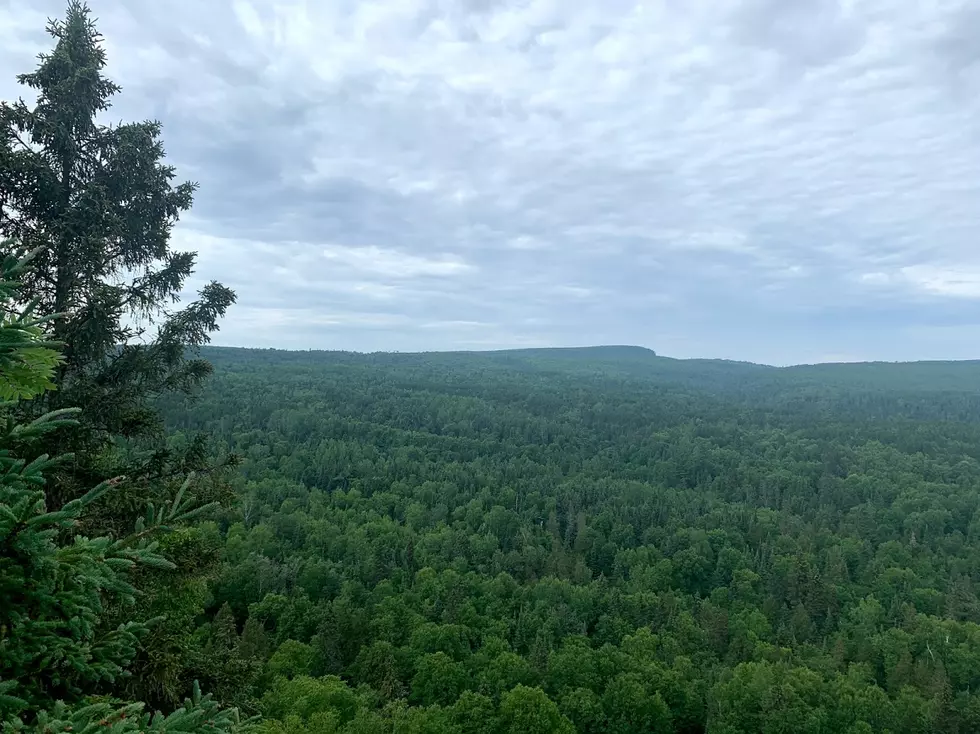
{"x": 595, "y": 540}
{"x": 921, "y": 390}
{"x": 643, "y": 363}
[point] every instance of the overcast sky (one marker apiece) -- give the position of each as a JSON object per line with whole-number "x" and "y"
{"x": 780, "y": 181}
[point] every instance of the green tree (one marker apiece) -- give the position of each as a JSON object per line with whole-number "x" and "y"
{"x": 631, "y": 707}
{"x": 474, "y": 713}
{"x": 438, "y": 679}
{"x": 526, "y": 710}
{"x": 772, "y": 699}
{"x": 504, "y": 672}
{"x": 378, "y": 665}
{"x": 291, "y": 659}
{"x": 305, "y": 697}
{"x": 56, "y": 658}
{"x": 225, "y": 670}
{"x": 584, "y": 709}
{"x": 97, "y": 203}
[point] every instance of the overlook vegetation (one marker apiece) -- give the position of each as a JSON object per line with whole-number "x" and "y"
{"x": 598, "y": 540}
{"x": 603, "y": 540}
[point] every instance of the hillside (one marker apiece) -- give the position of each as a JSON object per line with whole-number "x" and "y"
{"x": 640, "y": 362}
{"x": 604, "y": 540}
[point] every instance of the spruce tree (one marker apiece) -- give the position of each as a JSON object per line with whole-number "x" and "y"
{"x": 59, "y": 665}
{"x": 97, "y": 203}
{"x": 100, "y": 203}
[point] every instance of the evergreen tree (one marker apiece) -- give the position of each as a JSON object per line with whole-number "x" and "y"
{"x": 57, "y": 659}
{"x": 98, "y": 203}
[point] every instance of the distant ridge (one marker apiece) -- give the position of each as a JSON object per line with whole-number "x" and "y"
{"x": 605, "y": 351}
{"x": 618, "y": 351}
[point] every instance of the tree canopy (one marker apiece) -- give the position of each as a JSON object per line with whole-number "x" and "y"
{"x": 616, "y": 543}
{"x": 587, "y": 540}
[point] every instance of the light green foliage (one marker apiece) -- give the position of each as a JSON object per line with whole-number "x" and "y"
{"x": 305, "y": 697}
{"x": 291, "y": 659}
{"x": 438, "y": 679}
{"x": 27, "y": 359}
{"x": 56, "y": 656}
{"x": 526, "y": 710}
{"x": 198, "y": 715}
{"x": 630, "y": 543}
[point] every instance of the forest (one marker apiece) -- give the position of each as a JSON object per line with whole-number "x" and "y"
{"x": 596, "y": 540}
{"x": 210, "y": 540}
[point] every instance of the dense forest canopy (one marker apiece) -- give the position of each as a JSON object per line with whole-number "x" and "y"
{"x": 596, "y": 540}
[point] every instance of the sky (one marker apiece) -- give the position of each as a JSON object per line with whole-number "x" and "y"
{"x": 780, "y": 181}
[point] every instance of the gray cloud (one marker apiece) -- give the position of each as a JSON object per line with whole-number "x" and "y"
{"x": 755, "y": 179}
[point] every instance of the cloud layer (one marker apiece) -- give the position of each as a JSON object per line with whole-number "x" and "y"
{"x": 756, "y": 179}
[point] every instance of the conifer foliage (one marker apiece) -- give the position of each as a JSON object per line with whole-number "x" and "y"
{"x": 95, "y": 205}
{"x": 99, "y": 204}
{"x": 58, "y": 664}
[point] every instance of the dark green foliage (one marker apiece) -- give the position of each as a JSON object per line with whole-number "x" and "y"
{"x": 604, "y": 540}
{"x": 594, "y": 540}
{"x": 60, "y": 665}
{"x": 96, "y": 205}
